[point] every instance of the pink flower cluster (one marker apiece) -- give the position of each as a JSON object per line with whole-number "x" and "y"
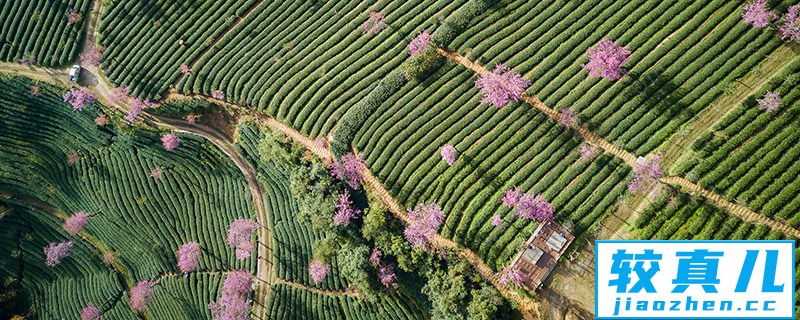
{"x": 101, "y": 120}
{"x": 375, "y": 257}
{"x": 790, "y": 29}
{"x": 73, "y": 16}
{"x": 497, "y": 220}
{"x": 757, "y": 14}
{"x": 156, "y": 173}
{"x": 90, "y": 312}
{"x": 568, "y": 118}
{"x": 170, "y": 141}
{"x": 425, "y": 221}
{"x": 75, "y": 224}
{"x": 348, "y": 168}
{"x": 93, "y": 55}
{"x": 449, "y": 154}
{"x": 501, "y": 86}
{"x": 770, "y": 102}
{"x": 528, "y": 205}
{"x": 587, "y": 152}
{"x": 55, "y": 252}
{"x": 233, "y": 303}
{"x": 646, "y": 174}
{"x": 387, "y": 276}
{"x": 419, "y": 43}
{"x": 184, "y": 69}
{"x": 606, "y": 60}
{"x": 239, "y": 234}
{"x": 141, "y": 295}
{"x": 80, "y": 98}
{"x": 189, "y": 256}
{"x": 137, "y": 106}
{"x": 344, "y": 210}
{"x": 119, "y": 94}
{"x": 218, "y": 94}
{"x": 318, "y": 270}
{"x": 374, "y": 24}
{"x": 510, "y": 276}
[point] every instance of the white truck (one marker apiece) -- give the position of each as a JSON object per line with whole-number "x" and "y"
{"x": 74, "y": 73}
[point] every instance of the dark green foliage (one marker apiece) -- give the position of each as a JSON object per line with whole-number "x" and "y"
{"x": 456, "y": 292}
{"x": 181, "y": 107}
{"x": 457, "y": 22}
{"x": 355, "y": 268}
{"x": 37, "y": 30}
{"x": 423, "y": 64}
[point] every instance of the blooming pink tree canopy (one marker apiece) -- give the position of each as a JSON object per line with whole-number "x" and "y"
{"x": 119, "y": 94}
{"x": 374, "y": 24}
{"x": 501, "y": 86}
{"x": 497, "y": 220}
{"x": 757, "y": 14}
{"x": 375, "y": 257}
{"x": 419, "y": 43}
{"x": 101, "y": 120}
{"x": 449, "y": 154}
{"x": 240, "y": 233}
{"x": 568, "y": 118}
{"x": 645, "y": 174}
{"x": 72, "y": 158}
{"x": 218, "y": 94}
{"x": 770, "y": 102}
{"x": 184, "y": 69}
{"x": 170, "y": 141}
{"x": 35, "y": 90}
{"x": 80, "y": 98}
{"x": 233, "y": 304}
{"x": 790, "y": 29}
{"x": 75, "y": 224}
{"x": 528, "y": 205}
{"x": 510, "y": 276}
{"x": 387, "y": 276}
{"x": 189, "y": 256}
{"x": 93, "y": 55}
{"x": 157, "y": 173}
{"x": 141, "y": 295}
{"x": 344, "y": 210}
{"x": 192, "y": 118}
{"x": 606, "y": 60}
{"x": 588, "y": 151}
{"x": 90, "y": 312}
{"x": 73, "y": 16}
{"x": 55, "y": 252}
{"x": 348, "y": 168}
{"x": 425, "y": 221}
{"x": 318, "y": 270}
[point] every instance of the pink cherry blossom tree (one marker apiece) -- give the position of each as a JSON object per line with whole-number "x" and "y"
{"x": 770, "y": 102}
{"x": 646, "y": 174}
{"x": 192, "y": 118}
{"x": 318, "y": 270}
{"x": 75, "y": 224}
{"x": 528, "y": 205}
{"x": 510, "y": 276}
{"x": 348, "y": 168}
{"x": 233, "y": 303}
{"x": 189, "y": 256}
{"x": 387, "y": 276}
{"x": 72, "y": 158}
{"x": 501, "y": 86}
{"x": 375, "y": 257}
{"x": 344, "y": 210}
{"x": 157, "y": 173}
{"x": 790, "y": 29}
{"x": 141, "y": 295}
{"x": 374, "y": 24}
{"x": 170, "y": 141}
{"x": 419, "y": 43}
{"x": 35, "y": 90}
{"x": 90, "y": 312}
{"x": 118, "y": 95}
{"x": 606, "y": 60}
{"x": 757, "y": 14}
{"x": 93, "y": 55}
{"x": 587, "y": 152}
{"x": 101, "y": 120}
{"x": 109, "y": 257}
{"x": 240, "y": 233}
{"x": 73, "y": 17}
{"x": 55, "y": 252}
{"x": 80, "y": 98}
{"x": 568, "y": 118}
{"x": 497, "y": 220}
{"x": 184, "y": 69}
{"x": 425, "y": 221}
{"x": 218, "y": 94}
{"x": 449, "y": 154}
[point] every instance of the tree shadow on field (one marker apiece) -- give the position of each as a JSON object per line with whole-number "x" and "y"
{"x": 225, "y": 265}
{"x": 488, "y": 179}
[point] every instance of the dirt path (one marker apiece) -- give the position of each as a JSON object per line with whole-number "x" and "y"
{"x": 721, "y": 107}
